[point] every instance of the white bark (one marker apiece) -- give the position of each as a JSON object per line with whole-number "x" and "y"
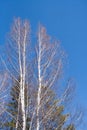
{"x": 22, "y": 68}
{"x": 23, "y": 87}
{"x": 45, "y": 60}
{"x": 39, "y": 83}
{"x": 17, "y": 120}
{"x": 49, "y": 69}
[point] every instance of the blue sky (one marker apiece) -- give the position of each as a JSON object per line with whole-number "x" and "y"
{"x": 64, "y": 19}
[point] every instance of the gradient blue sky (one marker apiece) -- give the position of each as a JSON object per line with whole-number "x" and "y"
{"x": 64, "y": 19}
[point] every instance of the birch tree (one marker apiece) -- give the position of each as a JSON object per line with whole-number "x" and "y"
{"x": 18, "y": 43}
{"x": 50, "y": 59}
{"x": 40, "y": 78}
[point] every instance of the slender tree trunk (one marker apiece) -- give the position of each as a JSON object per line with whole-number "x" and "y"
{"x": 22, "y": 78}
{"x": 20, "y": 68}
{"x": 39, "y": 80}
{"x": 23, "y": 89}
{"x": 17, "y": 121}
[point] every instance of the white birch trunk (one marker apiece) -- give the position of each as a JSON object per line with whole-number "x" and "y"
{"x": 22, "y": 66}
{"x": 23, "y": 89}
{"x": 39, "y": 81}
{"x": 17, "y": 121}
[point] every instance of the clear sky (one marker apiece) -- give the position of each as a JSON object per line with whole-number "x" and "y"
{"x": 64, "y": 19}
